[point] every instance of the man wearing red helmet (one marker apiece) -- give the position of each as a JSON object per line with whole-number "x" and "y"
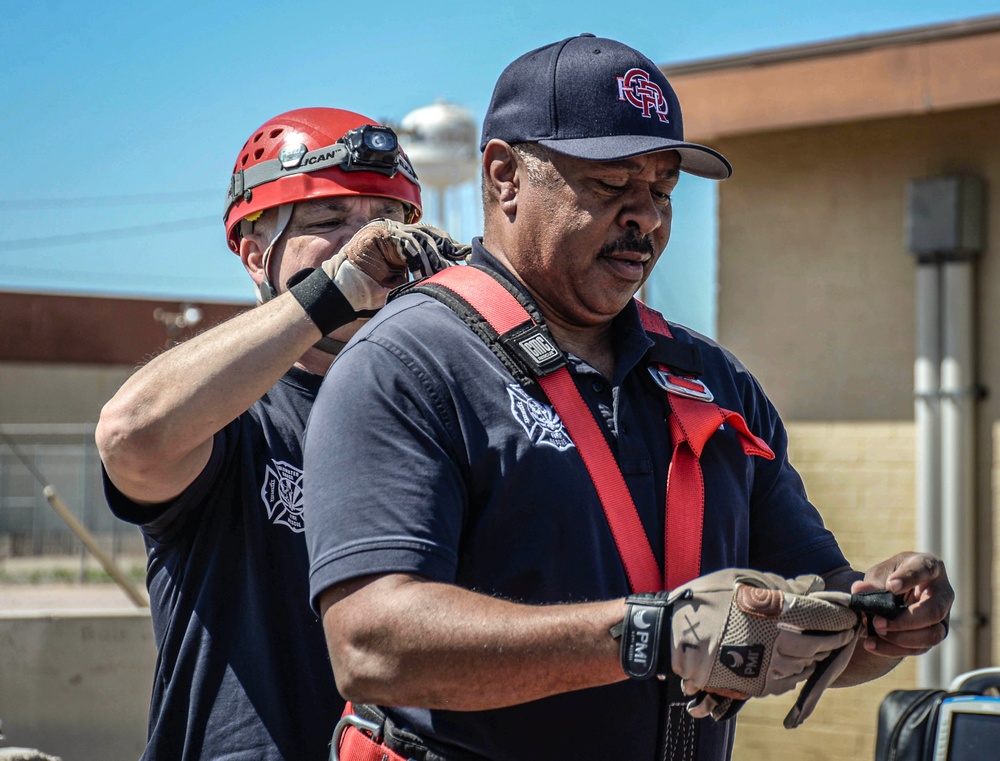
{"x": 202, "y": 447}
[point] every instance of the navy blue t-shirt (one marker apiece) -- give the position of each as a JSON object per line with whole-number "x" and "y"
{"x": 463, "y": 478}
{"x": 242, "y": 671}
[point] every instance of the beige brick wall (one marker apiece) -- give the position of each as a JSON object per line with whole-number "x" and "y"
{"x": 861, "y": 476}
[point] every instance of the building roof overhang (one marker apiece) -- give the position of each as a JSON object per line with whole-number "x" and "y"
{"x": 909, "y": 72}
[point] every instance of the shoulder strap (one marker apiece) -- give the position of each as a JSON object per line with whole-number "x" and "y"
{"x": 519, "y": 332}
{"x": 524, "y": 346}
{"x": 516, "y": 333}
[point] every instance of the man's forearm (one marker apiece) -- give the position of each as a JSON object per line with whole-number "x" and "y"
{"x": 865, "y": 666}
{"x": 399, "y": 640}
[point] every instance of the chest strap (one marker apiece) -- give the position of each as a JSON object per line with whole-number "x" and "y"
{"x": 519, "y": 338}
{"x": 693, "y": 419}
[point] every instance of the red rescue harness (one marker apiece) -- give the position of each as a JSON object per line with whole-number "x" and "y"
{"x": 694, "y": 418}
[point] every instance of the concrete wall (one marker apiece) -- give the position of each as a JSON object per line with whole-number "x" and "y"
{"x": 77, "y": 685}
{"x": 34, "y": 392}
{"x": 817, "y": 289}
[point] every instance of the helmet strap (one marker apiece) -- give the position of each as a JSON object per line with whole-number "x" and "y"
{"x": 266, "y": 291}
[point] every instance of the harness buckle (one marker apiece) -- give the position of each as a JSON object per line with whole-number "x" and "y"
{"x": 351, "y": 720}
{"x": 682, "y": 385}
{"x": 533, "y": 345}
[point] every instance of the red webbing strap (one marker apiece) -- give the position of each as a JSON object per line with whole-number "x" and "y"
{"x": 692, "y": 423}
{"x": 502, "y": 311}
{"x": 356, "y": 745}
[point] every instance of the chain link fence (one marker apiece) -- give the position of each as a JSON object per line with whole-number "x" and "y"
{"x": 64, "y": 456}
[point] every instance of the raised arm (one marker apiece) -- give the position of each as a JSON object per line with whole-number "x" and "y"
{"x": 155, "y": 435}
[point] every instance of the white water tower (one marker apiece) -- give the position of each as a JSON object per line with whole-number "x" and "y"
{"x": 442, "y": 141}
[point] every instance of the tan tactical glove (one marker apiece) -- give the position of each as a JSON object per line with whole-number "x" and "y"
{"x": 377, "y": 258}
{"x": 355, "y": 281}
{"x": 383, "y": 249}
{"x": 735, "y": 634}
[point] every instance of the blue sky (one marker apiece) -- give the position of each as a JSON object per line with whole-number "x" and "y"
{"x": 121, "y": 120}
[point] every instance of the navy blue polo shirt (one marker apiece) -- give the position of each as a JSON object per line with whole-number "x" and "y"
{"x": 442, "y": 466}
{"x": 242, "y": 671}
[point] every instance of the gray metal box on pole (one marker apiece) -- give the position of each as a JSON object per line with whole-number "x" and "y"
{"x": 944, "y": 216}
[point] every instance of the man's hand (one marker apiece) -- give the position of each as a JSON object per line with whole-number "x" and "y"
{"x": 923, "y": 581}
{"x": 735, "y": 634}
{"x": 384, "y": 249}
{"x": 377, "y": 258}
{"x": 749, "y": 634}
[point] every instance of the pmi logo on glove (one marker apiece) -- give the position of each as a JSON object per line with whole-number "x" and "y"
{"x": 743, "y": 660}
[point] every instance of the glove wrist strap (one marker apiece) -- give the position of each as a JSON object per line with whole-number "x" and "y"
{"x": 321, "y": 299}
{"x": 643, "y": 631}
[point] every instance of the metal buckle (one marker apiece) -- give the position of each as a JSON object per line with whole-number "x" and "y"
{"x": 666, "y": 380}
{"x": 358, "y": 723}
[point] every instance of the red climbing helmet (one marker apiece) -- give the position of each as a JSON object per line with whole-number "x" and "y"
{"x": 316, "y": 153}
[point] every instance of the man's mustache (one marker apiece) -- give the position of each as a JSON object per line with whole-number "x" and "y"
{"x": 629, "y": 242}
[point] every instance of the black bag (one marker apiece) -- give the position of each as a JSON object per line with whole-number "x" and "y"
{"x": 909, "y": 720}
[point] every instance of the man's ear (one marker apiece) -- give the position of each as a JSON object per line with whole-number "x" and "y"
{"x": 252, "y": 248}
{"x": 503, "y": 174}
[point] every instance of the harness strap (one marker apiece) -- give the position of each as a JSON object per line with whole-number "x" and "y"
{"x": 502, "y": 311}
{"x": 692, "y": 422}
{"x": 357, "y": 745}
{"x": 366, "y": 733}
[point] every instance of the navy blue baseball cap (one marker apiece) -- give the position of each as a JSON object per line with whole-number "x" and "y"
{"x": 594, "y": 99}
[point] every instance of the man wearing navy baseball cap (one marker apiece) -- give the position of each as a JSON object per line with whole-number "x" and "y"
{"x": 576, "y": 533}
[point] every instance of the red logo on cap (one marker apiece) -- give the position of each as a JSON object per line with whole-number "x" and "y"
{"x": 637, "y": 88}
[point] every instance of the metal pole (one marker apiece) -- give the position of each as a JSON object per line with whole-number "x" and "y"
{"x": 91, "y": 544}
{"x": 442, "y": 212}
{"x": 927, "y": 418}
{"x": 958, "y": 396}
{"x": 78, "y": 528}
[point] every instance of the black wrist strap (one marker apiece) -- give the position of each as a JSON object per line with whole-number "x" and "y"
{"x": 321, "y": 299}
{"x": 646, "y": 624}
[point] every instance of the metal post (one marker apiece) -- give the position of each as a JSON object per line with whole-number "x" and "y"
{"x": 944, "y": 223}
{"x": 958, "y": 395}
{"x": 927, "y": 418}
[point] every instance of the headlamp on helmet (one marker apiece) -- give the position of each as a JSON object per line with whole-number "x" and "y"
{"x": 316, "y": 153}
{"x": 373, "y": 148}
